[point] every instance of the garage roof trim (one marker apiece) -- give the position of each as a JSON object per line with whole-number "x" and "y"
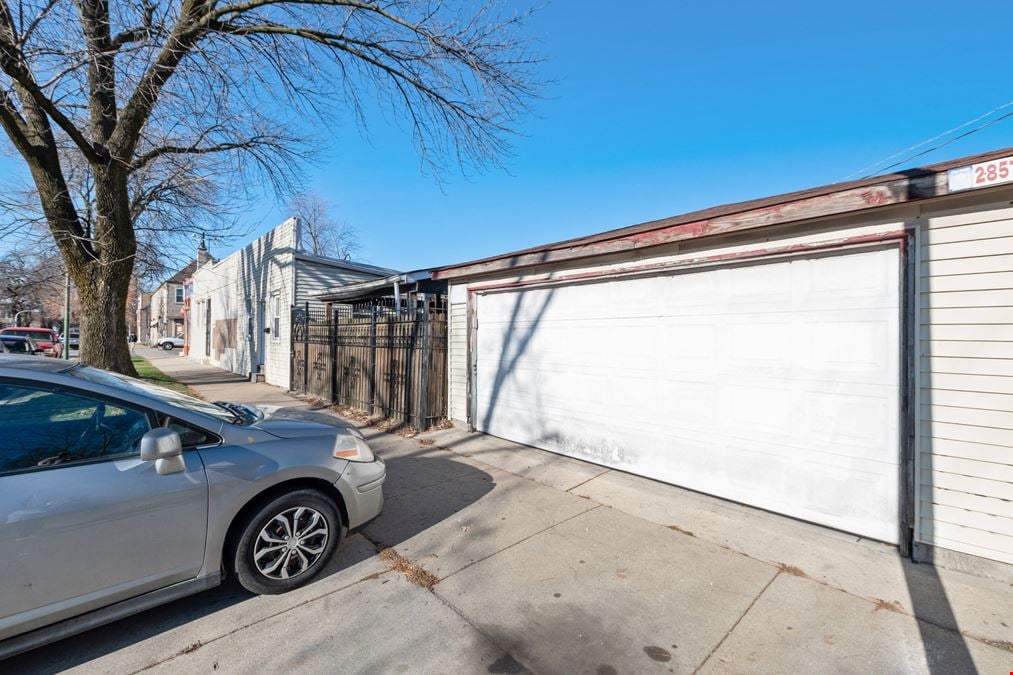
{"x": 834, "y": 199}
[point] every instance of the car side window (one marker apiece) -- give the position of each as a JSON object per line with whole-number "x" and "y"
{"x": 189, "y": 435}
{"x": 45, "y": 428}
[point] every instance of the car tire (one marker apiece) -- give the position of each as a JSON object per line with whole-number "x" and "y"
{"x": 280, "y": 546}
{"x": 167, "y": 346}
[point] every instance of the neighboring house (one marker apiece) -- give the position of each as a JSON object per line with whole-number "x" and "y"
{"x": 142, "y": 326}
{"x": 165, "y": 318}
{"x": 842, "y": 355}
{"x": 241, "y": 307}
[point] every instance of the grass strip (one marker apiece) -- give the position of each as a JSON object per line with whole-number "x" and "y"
{"x": 150, "y": 373}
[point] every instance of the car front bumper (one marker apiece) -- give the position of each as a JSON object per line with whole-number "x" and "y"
{"x": 361, "y": 486}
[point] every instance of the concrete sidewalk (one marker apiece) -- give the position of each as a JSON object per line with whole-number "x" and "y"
{"x": 215, "y": 384}
{"x": 547, "y": 564}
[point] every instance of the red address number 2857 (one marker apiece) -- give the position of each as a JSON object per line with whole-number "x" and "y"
{"x": 992, "y": 172}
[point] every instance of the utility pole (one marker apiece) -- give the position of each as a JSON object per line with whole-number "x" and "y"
{"x": 66, "y": 318}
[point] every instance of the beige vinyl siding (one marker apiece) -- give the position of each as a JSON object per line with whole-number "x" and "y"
{"x": 964, "y": 434}
{"x": 313, "y": 278}
{"x": 458, "y": 362}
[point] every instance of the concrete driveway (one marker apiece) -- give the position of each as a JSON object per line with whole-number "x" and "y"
{"x": 495, "y": 558}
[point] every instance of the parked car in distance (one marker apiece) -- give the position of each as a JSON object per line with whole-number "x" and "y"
{"x": 119, "y": 495}
{"x": 170, "y": 343}
{"x": 15, "y": 344}
{"x": 44, "y": 337}
{"x": 74, "y": 339}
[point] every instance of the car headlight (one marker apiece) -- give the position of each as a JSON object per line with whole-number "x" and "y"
{"x": 352, "y": 448}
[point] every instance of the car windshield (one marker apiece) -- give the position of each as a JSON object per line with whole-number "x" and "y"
{"x": 168, "y": 395}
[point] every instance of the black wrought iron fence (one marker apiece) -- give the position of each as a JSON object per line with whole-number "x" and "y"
{"x": 387, "y": 361}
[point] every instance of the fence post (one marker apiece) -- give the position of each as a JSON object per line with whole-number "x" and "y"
{"x": 423, "y": 397}
{"x": 332, "y": 358}
{"x": 372, "y": 362}
{"x": 306, "y": 352}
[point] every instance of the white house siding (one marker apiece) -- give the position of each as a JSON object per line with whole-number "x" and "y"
{"x": 245, "y": 288}
{"x": 235, "y": 287}
{"x": 457, "y": 354}
{"x": 964, "y": 434}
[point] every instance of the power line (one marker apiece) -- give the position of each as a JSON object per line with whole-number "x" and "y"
{"x": 935, "y": 138}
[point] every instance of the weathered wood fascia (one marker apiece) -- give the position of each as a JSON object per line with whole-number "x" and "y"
{"x": 890, "y": 193}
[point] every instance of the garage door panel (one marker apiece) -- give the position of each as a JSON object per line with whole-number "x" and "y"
{"x": 775, "y": 385}
{"x": 676, "y": 433}
{"x": 682, "y": 439}
{"x": 854, "y": 346}
{"x": 862, "y": 420}
{"x": 846, "y": 280}
{"x": 742, "y": 470}
{"x": 767, "y": 284}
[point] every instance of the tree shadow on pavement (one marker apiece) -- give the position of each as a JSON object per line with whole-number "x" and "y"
{"x": 408, "y": 473}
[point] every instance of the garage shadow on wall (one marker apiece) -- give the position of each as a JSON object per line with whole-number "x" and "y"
{"x": 516, "y": 340}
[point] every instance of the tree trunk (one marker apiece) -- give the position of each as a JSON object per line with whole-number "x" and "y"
{"x": 103, "y": 294}
{"x": 103, "y": 282}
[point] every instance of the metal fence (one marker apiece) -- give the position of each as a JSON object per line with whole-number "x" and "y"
{"x": 387, "y": 361}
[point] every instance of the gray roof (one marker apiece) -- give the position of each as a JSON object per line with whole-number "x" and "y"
{"x": 345, "y": 264}
{"x": 358, "y": 289}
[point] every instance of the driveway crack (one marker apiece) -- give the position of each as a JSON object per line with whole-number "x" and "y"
{"x": 737, "y": 621}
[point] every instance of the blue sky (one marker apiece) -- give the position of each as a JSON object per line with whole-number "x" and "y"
{"x": 674, "y": 106}
{"x": 658, "y": 108}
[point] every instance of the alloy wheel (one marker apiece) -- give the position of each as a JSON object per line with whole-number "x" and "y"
{"x": 291, "y": 543}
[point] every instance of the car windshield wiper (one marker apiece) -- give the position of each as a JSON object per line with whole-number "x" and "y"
{"x": 236, "y": 411}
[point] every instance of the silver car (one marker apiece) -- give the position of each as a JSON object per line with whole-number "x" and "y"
{"x": 117, "y": 495}
{"x": 170, "y": 343}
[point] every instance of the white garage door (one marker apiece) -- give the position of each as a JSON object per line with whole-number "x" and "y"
{"x": 771, "y": 384}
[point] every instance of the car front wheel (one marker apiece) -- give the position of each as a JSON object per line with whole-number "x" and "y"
{"x": 167, "y": 346}
{"x": 287, "y": 542}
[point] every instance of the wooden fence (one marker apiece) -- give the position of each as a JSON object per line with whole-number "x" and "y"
{"x": 388, "y": 363}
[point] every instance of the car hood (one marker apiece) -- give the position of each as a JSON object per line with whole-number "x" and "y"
{"x": 289, "y": 423}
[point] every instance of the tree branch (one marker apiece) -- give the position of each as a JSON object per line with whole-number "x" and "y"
{"x": 12, "y": 63}
{"x": 256, "y": 141}
{"x": 138, "y": 33}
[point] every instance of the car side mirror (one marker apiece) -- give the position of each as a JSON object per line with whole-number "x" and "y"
{"x": 164, "y": 447}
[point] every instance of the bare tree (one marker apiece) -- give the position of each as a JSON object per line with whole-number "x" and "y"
{"x": 325, "y": 235}
{"x": 31, "y": 281}
{"x": 132, "y": 116}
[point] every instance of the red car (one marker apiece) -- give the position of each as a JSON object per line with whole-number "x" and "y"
{"x": 45, "y": 338}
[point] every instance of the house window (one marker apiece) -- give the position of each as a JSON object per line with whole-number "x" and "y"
{"x": 275, "y": 317}
{"x": 179, "y": 294}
